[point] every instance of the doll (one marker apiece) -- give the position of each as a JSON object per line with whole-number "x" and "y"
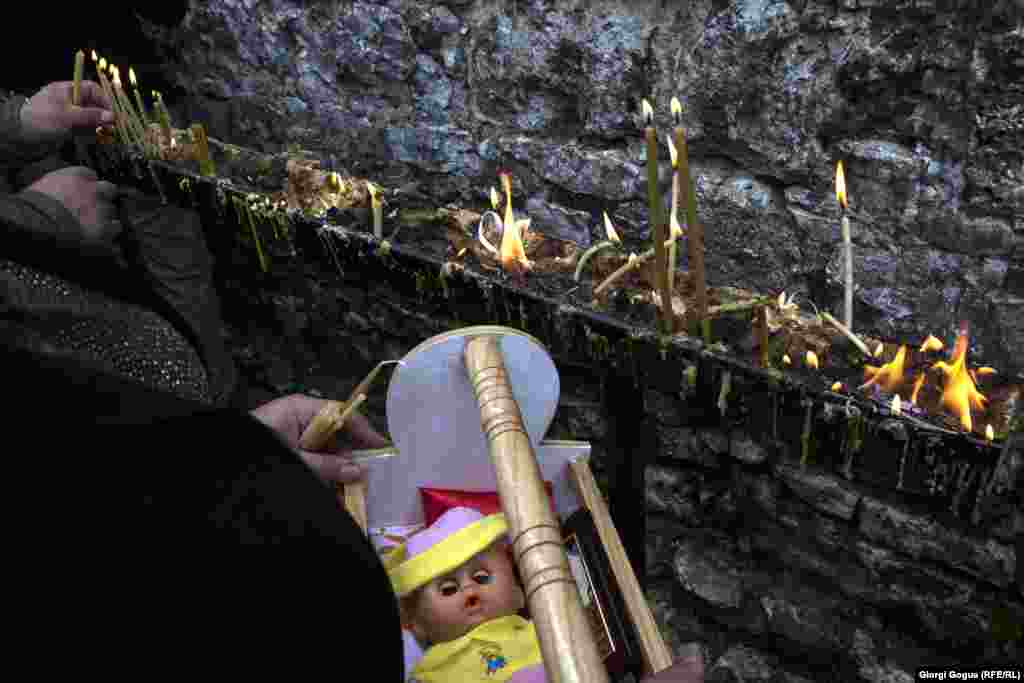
{"x": 460, "y": 596}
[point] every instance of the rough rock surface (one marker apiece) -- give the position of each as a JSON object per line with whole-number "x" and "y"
{"x": 922, "y": 99}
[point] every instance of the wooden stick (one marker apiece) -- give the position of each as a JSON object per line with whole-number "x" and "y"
{"x": 566, "y": 639}
{"x": 655, "y": 652}
{"x": 847, "y": 333}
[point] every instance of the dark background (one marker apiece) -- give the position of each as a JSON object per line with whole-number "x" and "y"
{"x": 42, "y": 41}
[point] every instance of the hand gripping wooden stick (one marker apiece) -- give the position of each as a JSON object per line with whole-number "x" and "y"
{"x": 566, "y": 640}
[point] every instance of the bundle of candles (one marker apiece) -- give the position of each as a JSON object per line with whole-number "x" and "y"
{"x": 149, "y": 134}
{"x": 665, "y": 231}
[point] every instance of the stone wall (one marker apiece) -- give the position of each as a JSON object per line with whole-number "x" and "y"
{"x": 922, "y": 99}
{"x": 849, "y": 568}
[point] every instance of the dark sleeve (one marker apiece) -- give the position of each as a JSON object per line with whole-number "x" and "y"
{"x": 39, "y": 213}
{"x": 14, "y": 151}
{"x": 134, "y": 505}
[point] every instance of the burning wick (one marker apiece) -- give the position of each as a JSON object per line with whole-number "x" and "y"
{"x": 990, "y": 433}
{"x": 812, "y": 360}
{"x": 513, "y": 253}
{"x": 847, "y": 249}
{"x": 897, "y": 406}
{"x": 960, "y": 394}
{"x": 918, "y": 383}
{"x": 889, "y": 376}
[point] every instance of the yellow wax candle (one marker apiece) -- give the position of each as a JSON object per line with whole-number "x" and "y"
{"x": 695, "y": 232}
{"x": 138, "y": 98}
{"x": 164, "y": 116}
{"x": 76, "y": 88}
{"x": 658, "y": 227}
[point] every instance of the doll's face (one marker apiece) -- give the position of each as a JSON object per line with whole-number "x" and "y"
{"x": 482, "y": 589}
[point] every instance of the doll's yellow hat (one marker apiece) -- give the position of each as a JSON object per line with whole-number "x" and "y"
{"x": 455, "y": 537}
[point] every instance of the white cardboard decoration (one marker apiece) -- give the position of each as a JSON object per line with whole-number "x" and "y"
{"x": 434, "y": 422}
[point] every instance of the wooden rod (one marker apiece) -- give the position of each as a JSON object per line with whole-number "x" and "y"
{"x": 566, "y": 639}
{"x": 656, "y": 655}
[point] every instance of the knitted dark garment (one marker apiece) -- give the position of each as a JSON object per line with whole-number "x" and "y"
{"x": 65, "y": 319}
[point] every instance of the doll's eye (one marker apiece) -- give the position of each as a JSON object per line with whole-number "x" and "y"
{"x": 449, "y": 588}
{"x": 482, "y": 577}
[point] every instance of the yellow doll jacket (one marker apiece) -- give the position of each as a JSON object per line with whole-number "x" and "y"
{"x": 492, "y": 651}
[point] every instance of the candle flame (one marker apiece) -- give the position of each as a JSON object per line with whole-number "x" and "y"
{"x": 672, "y": 152}
{"x": 918, "y": 383}
{"x": 888, "y": 377}
{"x": 990, "y": 433}
{"x": 786, "y": 359}
{"x": 897, "y": 405}
{"x": 840, "y": 184}
{"x": 837, "y": 386}
{"x": 812, "y": 359}
{"x": 677, "y": 110}
{"x": 648, "y": 112}
{"x": 932, "y": 344}
{"x": 960, "y": 393}
{"x": 103, "y": 64}
{"x": 512, "y": 252}
{"x": 131, "y": 77}
{"x": 495, "y": 199}
{"x": 610, "y": 230}
{"x": 462, "y": 252}
{"x": 116, "y": 77}
{"x": 95, "y": 57}
{"x": 985, "y": 370}
{"x": 879, "y": 349}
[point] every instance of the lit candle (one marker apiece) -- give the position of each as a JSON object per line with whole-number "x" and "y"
{"x": 897, "y": 405}
{"x": 658, "y": 231}
{"x": 990, "y": 433}
{"x": 847, "y": 250}
{"x": 164, "y": 116}
{"x": 131, "y": 122}
{"x": 837, "y": 386}
{"x": 76, "y": 88}
{"x": 101, "y": 68}
{"x": 695, "y": 231}
{"x": 812, "y": 360}
{"x": 138, "y": 98}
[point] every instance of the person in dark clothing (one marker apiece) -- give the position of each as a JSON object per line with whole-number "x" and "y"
{"x": 139, "y": 297}
{"x": 130, "y": 480}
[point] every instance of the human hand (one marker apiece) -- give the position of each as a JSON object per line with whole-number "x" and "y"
{"x": 49, "y": 117}
{"x": 89, "y": 199}
{"x": 289, "y": 416}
